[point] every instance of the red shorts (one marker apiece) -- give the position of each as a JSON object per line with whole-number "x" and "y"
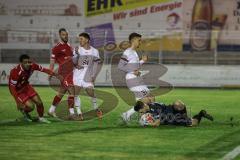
{"x": 25, "y": 94}
{"x": 67, "y": 80}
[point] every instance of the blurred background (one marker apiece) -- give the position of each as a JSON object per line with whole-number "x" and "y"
{"x": 197, "y": 40}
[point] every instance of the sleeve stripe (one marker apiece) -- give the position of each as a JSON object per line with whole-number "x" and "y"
{"x": 97, "y": 60}
{"x": 124, "y": 59}
{"x": 13, "y": 82}
{"x": 41, "y": 68}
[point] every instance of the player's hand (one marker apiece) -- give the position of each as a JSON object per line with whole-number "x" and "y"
{"x": 145, "y": 58}
{"x": 157, "y": 123}
{"x": 137, "y": 73}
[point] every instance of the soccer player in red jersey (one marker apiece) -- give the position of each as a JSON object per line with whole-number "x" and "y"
{"x": 62, "y": 54}
{"x": 24, "y": 94}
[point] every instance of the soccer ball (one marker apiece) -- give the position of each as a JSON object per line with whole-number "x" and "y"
{"x": 146, "y": 119}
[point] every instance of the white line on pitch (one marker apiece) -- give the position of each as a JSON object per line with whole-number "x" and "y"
{"x": 231, "y": 155}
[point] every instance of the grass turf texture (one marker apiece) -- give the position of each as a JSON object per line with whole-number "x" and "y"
{"x": 111, "y": 140}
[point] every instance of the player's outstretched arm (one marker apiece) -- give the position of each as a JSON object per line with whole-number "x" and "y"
{"x": 38, "y": 67}
{"x": 47, "y": 71}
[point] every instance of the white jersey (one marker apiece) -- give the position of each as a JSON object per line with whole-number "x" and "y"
{"x": 84, "y": 53}
{"x": 132, "y": 57}
{"x": 86, "y": 58}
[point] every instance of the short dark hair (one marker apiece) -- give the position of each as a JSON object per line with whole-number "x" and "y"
{"x": 85, "y": 35}
{"x": 23, "y": 56}
{"x": 133, "y": 35}
{"x": 139, "y": 105}
{"x": 62, "y": 30}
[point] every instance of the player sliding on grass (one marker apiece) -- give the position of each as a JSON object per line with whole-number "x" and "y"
{"x": 24, "y": 94}
{"x": 85, "y": 72}
{"x": 130, "y": 64}
{"x": 155, "y": 114}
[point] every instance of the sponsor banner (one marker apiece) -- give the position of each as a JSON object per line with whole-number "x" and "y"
{"x": 211, "y": 22}
{"x": 98, "y": 7}
{"x": 159, "y": 22}
{"x": 101, "y": 34}
{"x": 176, "y": 75}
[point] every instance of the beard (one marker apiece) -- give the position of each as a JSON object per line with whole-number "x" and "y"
{"x": 65, "y": 40}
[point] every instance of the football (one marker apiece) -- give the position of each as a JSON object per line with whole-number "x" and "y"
{"x": 146, "y": 119}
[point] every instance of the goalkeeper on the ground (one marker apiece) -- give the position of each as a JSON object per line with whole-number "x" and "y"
{"x": 155, "y": 114}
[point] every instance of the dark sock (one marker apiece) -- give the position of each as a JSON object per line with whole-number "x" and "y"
{"x": 70, "y": 102}
{"x": 56, "y": 100}
{"x": 40, "y": 110}
{"x": 26, "y": 112}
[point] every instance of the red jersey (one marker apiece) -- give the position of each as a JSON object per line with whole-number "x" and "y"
{"x": 62, "y": 54}
{"x": 19, "y": 77}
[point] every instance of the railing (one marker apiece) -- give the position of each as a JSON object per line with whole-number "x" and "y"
{"x": 38, "y": 44}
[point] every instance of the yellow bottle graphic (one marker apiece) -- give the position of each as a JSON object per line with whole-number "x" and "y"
{"x": 201, "y": 25}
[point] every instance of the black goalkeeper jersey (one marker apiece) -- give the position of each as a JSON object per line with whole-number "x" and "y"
{"x": 168, "y": 115}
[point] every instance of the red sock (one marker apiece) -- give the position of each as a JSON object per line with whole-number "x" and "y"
{"x": 70, "y": 101}
{"x": 56, "y": 100}
{"x": 40, "y": 110}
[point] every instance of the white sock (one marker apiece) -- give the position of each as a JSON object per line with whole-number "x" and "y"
{"x": 77, "y": 101}
{"x": 130, "y": 112}
{"x": 78, "y": 108}
{"x": 71, "y": 111}
{"x": 40, "y": 118}
{"x": 52, "y": 109}
{"x": 94, "y": 103}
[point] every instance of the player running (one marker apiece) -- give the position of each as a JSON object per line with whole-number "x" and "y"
{"x": 85, "y": 72}
{"x": 62, "y": 54}
{"x": 155, "y": 114}
{"x": 130, "y": 64}
{"x": 24, "y": 94}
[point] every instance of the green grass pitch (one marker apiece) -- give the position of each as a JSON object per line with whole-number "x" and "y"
{"x": 111, "y": 140}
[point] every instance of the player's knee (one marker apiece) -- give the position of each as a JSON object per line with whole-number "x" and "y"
{"x": 90, "y": 92}
{"x": 39, "y": 103}
{"x": 60, "y": 95}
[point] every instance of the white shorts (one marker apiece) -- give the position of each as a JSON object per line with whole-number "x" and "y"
{"x": 78, "y": 79}
{"x": 140, "y": 90}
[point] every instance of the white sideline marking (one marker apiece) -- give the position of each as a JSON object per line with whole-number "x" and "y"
{"x": 231, "y": 155}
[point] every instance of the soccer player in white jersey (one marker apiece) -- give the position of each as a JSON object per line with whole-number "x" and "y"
{"x": 85, "y": 72}
{"x": 130, "y": 64}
